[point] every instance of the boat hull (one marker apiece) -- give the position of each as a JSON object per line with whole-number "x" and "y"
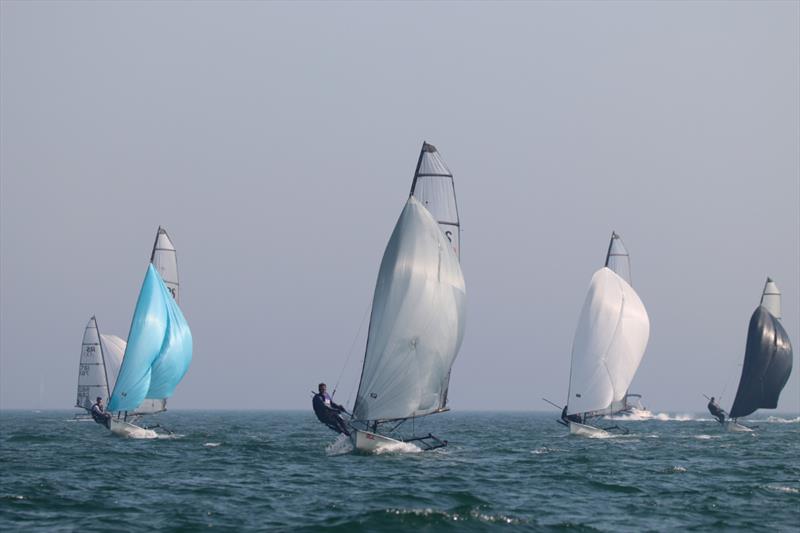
{"x": 131, "y": 431}
{"x": 582, "y": 430}
{"x": 735, "y": 427}
{"x": 368, "y": 442}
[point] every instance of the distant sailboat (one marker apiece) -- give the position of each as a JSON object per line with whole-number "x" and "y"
{"x": 418, "y": 311}
{"x": 157, "y": 355}
{"x": 619, "y": 260}
{"x": 609, "y": 344}
{"x": 102, "y": 354}
{"x": 767, "y": 360}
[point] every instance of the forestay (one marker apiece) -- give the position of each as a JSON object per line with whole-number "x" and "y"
{"x": 92, "y": 373}
{"x": 165, "y": 259}
{"x": 159, "y": 348}
{"x": 609, "y": 344}
{"x": 767, "y": 359}
{"x": 433, "y": 186}
{"x": 417, "y": 322}
{"x": 618, "y": 259}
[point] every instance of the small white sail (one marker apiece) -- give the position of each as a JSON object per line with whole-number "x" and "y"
{"x": 92, "y": 377}
{"x": 618, "y": 259}
{"x": 417, "y": 322}
{"x": 113, "y": 351}
{"x": 165, "y": 259}
{"x": 771, "y": 298}
{"x": 433, "y": 186}
{"x": 609, "y": 344}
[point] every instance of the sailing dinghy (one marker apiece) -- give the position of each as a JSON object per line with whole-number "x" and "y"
{"x": 418, "y": 312}
{"x": 767, "y": 360}
{"x": 101, "y": 354}
{"x": 609, "y": 344}
{"x": 157, "y": 356}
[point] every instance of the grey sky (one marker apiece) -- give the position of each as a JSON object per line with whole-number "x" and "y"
{"x": 276, "y": 142}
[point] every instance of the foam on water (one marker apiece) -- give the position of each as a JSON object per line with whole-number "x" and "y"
{"x": 397, "y": 447}
{"x": 340, "y": 446}
{"x": 212, "y": 444}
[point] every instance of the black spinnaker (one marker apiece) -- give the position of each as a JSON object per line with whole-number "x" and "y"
{"x": 767, "y": 365}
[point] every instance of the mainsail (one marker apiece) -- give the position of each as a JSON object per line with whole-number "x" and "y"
{"x": 92, "y": 372}
{"x": 433, "y": 186}
{"x": 417, "y": 322}
{"x": 767, "y": 357}
{"x": 165, "y": 259}
{"x": 159, "y": 348}
{"x": 618, "y": 259}
{"x": 609, "y": 344}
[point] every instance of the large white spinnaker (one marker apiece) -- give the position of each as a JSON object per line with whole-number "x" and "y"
{"x": 433, "y": 186}
{"x": 92, "y": 372}
{"x": 113, "y": 351}
{"x": 165, "y": 259}
{"x": 609, "y": 344}
{"x": 417, "y": 322}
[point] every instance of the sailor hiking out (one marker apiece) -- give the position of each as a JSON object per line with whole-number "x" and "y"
{"x": 99, "y": 414}
{"x": 716, "y": 411}
{"x": 328, "y": 412}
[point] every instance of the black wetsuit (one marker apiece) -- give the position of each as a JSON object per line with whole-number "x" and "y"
{"x": 716, "y": 411}
{"x": 100, "y": 416}
{"x": 328, "y": 413}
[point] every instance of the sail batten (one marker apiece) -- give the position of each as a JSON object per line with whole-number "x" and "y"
{"x": 416, "y": 325}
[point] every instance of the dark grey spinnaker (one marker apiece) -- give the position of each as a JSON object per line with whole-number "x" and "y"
{"x": 767, "y": 365}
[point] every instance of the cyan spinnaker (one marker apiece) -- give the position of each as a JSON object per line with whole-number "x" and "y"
{"x": 159, "y": 348}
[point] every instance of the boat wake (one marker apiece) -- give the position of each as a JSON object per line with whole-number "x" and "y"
{"x": 779, "y": 420}
{"x": 340, "y": 446}
{"x": 397, "y": 447}
{"x": 639, "y": 416}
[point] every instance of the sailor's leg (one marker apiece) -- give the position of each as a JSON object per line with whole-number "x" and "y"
{"x": 342, "y": 426}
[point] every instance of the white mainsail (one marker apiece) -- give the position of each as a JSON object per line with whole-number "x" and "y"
{"x": 417, "y": 322}
{"x": 113, "y": 351}
{"x": 433, "y": 186}
{"x": 92, "y": 374}
{"x": 609, "y": 344}
{"x": 165, "y": 259}
{"x": 771, "y": 298}
{"x": 618, "y": 259}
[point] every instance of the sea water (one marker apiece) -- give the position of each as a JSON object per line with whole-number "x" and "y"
{"x": 283, "y": 471}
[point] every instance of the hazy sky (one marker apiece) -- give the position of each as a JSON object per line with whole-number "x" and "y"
{"x": 277, "y": 141}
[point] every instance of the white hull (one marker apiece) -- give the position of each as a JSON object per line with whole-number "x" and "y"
{"x": 583, "y": 430}
{"x": 128, "y": 430}
{"x": 735, "y": 427}
{"x": 367, "y": 442}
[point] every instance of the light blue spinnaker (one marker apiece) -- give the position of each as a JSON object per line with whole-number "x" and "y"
{"x": 159, "y": 348}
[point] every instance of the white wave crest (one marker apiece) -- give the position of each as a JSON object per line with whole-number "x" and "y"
{"x": 779, "y": 420}
{"x": 638, "y": 415}
{"x": 340, "y": 446}
{"x": 706, "y": 437}
{"x": 782, "y": 488}
{"x": 212, "y": 444}
{"x": 397, "y": 447}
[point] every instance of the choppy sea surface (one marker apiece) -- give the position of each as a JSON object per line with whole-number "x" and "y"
{"x": 278, "y": 471}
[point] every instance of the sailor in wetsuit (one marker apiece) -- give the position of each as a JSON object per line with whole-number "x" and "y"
{"x": 328, "y": 412}
{"x": 716, "y": 410}
{"x": 99, "y": 413}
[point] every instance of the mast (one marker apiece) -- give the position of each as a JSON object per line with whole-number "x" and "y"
{"x": 103, "y": 358}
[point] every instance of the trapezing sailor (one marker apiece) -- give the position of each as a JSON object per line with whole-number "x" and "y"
{"x": 328, "y": 412}
{"x": 99, "y": 413}
{"x": 716, "y": 411}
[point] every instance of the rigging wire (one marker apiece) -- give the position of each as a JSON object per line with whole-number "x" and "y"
{"x": 352, "y": 346}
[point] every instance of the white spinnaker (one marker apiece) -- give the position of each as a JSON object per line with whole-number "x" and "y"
{"x": 165, "y": 259}
{"x": 771, "y": 298}
{"x": 417, "y": 322}
{"x": 609, "y": 344}
{"x": 434, "y": 188}
{"x": 114, "y": 350}
{"x": 92, "y": 380}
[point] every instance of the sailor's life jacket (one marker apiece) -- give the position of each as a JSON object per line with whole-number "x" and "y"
{"x": 715, "y": 410}
{"x": 99, "y": 416}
